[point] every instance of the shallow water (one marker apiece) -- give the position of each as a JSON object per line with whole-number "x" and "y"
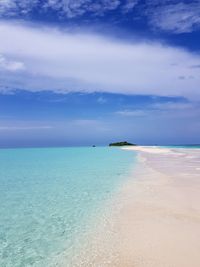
{"x": 47, "y": 197}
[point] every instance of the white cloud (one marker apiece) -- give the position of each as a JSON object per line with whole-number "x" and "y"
{"x": 71, "y": 8}
{"x": 64, "y": 8}
{"x": 177, "y": 18}
{"x": 167, "y": 15}
{"x": 10, "y": 65}
{"x": 13, "y": 8}
{"x": 7, "y": 6}
{"x": 129, "y": 5}
{"x": 132, "y": 113}
{"x": 166, "y": 109}
{"x": 22, "y": 128}
{"x": 101, "y": 100}
{"x": 174, "y": 106}
{"x": 85, "y": 122}
{"x": 66, "y": 62}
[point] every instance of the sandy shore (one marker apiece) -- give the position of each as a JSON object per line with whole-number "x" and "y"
{"x": 155, "y": 221}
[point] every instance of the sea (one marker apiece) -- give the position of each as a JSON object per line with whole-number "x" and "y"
{"x": 50, "y": 196}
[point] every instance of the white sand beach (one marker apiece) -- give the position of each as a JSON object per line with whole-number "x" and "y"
{"x": 155, "y": 220}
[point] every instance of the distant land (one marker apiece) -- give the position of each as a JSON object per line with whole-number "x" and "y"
{"x": 124, "y": 143}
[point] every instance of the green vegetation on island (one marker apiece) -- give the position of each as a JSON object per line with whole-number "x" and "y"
{"x": 124, "y": 143}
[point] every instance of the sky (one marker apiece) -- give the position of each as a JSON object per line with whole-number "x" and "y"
{"x": 84, "y": 72}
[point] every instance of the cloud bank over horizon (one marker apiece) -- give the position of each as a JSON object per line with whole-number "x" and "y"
{"x": 36, "y": 59}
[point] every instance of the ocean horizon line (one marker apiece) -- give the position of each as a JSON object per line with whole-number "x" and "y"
{"x": 94, "y": 146}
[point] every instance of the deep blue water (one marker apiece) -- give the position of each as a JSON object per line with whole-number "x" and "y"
{"x": 48, "y": 196}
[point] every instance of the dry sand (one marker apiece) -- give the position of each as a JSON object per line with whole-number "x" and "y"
{"x": 155, "y": 220}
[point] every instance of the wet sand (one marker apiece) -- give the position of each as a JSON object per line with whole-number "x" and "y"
{"x": 155, "y": 218}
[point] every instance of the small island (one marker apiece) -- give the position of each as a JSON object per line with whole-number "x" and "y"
{"x": 124, "y": 143}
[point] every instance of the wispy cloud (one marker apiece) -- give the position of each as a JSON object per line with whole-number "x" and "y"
{"x": 24, "y": 128}
{"x": 101, "y": 100}
{"x": 71, "y": 8}
{"x": 178, "y": 17}
{"x": 15, "y": 8}
{"x": 63, "y": 8}
{"x": 174, "y": 106}
{"x": 167, "y": 15}
{"x": 132, "y": 113}
{"x": 165, "y": 109}
{"x": 129, "y": 5}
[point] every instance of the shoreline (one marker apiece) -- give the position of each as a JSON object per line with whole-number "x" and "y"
{"x": 157, "y": 214}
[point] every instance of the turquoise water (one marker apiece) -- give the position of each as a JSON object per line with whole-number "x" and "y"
{"x": 47, "y": 197}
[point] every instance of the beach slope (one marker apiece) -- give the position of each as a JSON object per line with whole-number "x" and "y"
{"x": 156, "y": 222}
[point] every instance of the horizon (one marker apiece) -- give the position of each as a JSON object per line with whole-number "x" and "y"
{"x": 83, "y": 72}
{"x": 97, "y": 146}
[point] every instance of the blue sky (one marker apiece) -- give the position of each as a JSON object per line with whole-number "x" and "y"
{"x": 86, "y": 72}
